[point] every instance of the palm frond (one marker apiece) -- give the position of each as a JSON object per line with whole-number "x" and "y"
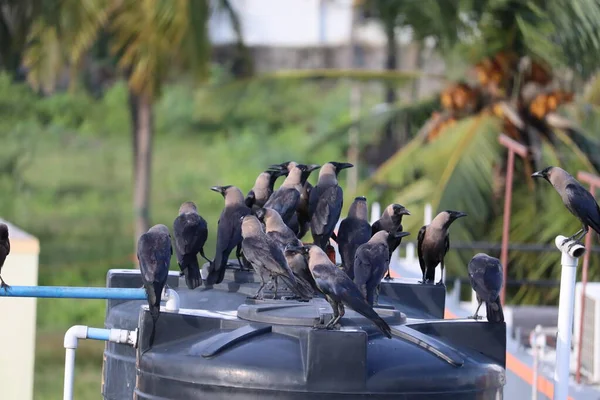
{"x": 44, "y": 57}
{"x": 148, "y": 36}
{"x": 372, "y": 122}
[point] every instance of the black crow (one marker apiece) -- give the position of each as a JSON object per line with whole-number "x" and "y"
{"x": 433, "y": 242}
{"x": 325, "y": 203}
{"x": 354, "y": 230}
{"x": 154, "y": 255}
{"x": 190, "y": 231}
{"x": 338, "y": 288}
{"x": 485, "y": 274}
{"x": 229, "y": 232}
{"x": 576, "y": 198}
{"x": 371, "y": 263}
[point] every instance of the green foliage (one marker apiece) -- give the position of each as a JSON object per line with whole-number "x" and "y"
{"x": 71, "y": 186}
{"x": 562, "y": 33}
{"x": 441, "y": 172}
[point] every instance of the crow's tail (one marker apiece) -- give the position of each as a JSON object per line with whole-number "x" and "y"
{"x": 154, "y": 293}
{"x": 292, "y": 283}
{"x": 216, "y": 269}
{"x": 494, "y": 311}
{"x": 191, "y": 269}
{"x": 303, "y": 288}
{"x": 361, "y": 306}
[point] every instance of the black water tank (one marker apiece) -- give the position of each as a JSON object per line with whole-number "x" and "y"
{"x": 222, "y": 345}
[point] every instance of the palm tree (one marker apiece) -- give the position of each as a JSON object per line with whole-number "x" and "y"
{"x": 519, "y": 52}
{"x": 149, "y": 40}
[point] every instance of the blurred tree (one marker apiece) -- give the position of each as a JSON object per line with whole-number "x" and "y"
{"x": 16, "y": 18}
{"x": 150, "y": 40}
{"x": 424, "y": 19}
{"x": 520, "y": 53}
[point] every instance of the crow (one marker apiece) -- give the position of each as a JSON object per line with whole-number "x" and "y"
{"x": 190, "y": 231}
{"x": 391, "y": 221}
{"x": 265, "y": 255}
{"x": 285, "y": 199}
{"x": 433, "y": 242}
{"x": 338, "y": 288}
{"x": 325, "y": 203}
{"x": 262, "y": 189}
{"x": 154, "y": 255}
{"x": 229, "y": 232}
{"x": 4, "y": 252}
{"x": 371, "y": 263}
{"x": 485, "y": 274}
{"x": 354, "y": 230}
{"x": 576, "y": 198}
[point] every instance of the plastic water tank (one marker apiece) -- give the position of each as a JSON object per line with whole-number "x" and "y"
{"x": 222, "y": 345}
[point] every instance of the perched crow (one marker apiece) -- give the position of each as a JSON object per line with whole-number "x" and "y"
{"x": 338, "y": 288}
{"x": 283, "y": 236}
{"x": 190, "y": 231}
{"x": 433, "y": 243}
{"x": 390, "y": 221}
{"x": 154, "y": 255}
{"x": 285, "y": 199}
{"x": 229, "y": 232}
{"x": 325, "y": 203}
{"x": 371, "y": 263}
{"x": 265, "y": 255}
{"x": 4, "y": 251}
{"x": 299, "y": 266}
{"x": 576, "y": 198}
{"x": 300, "y": 222}
{"x": 275, "y": 228}
{"x": 485, "y": 274}
{"x": 354, "y": 230}
{"x": 262, "y": 189}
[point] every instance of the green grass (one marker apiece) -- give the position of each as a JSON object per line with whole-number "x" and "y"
{"x": 78, "y": 204}
{"x": 65, "y": 176}
{"x": 49, "y": 368}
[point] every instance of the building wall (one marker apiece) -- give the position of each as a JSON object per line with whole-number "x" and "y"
{"x": 18, "y": 316}
{"x": 273, "y": 58}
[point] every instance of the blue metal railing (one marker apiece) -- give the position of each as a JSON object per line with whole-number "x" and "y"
{"x": 68, "y": 292}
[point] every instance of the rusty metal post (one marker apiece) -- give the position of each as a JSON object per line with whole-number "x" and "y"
{"x": 513, "y": 147}
{"x": 594, "y": 182}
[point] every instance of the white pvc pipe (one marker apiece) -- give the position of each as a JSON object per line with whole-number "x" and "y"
{"x": 69, "y": 374}
{"x": 172, "y": 298}
{"x": 566, "y": 302}
{"x": 77, "y": 332}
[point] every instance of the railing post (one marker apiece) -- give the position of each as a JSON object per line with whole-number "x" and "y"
{"x": 570, "y": 253}
{"x": 513, "y": 147}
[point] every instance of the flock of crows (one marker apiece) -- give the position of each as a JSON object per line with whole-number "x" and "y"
{"x": 265, "y": 229}
{"x": 266, "y": 226}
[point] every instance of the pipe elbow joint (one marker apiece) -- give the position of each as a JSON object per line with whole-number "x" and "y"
{"x": 73, "y": 335}
{"x": 172, "y": 298}
{"x": 572, "y": 248}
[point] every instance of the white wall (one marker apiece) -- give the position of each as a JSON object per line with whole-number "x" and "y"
{"x": 293, "y": 23}
{"x": 18, "y": 318}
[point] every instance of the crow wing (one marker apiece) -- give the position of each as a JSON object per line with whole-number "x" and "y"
{"x": 265, "y": 253}
{"x": 325, "y": 206}
{"x": 190, "y": 231}
{"x": 420, "y": 238}
{"x": 583, "y": 205}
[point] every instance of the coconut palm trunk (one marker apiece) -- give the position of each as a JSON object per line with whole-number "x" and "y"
{"x": 142, "y": 134}
{"x": 391, "y": 64}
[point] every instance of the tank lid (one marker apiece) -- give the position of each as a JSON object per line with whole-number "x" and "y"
{"x": 315, "y": 312}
